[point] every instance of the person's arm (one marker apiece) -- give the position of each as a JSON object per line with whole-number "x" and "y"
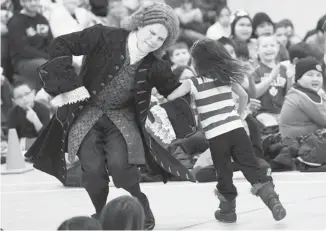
{"x": 44, "y": 115}
{"x": 32, "y": 117}
{"x": 58, "y": 74}
{"x": 315, "y": 111}
{"x": 264, "y": 85}
{"x": 4, "y": 29}
{"x": 77, "y": 43}
{"x": 163, "y": 79}
{"x": 243, "y": 97}
{"x": 252, "y": 92}
{"x": 182, "y": 90}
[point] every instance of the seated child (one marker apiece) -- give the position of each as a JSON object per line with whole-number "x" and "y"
{"x": 179, "y": 55}
{"x": 271, "y": 81}
{"x": 28, "y": 117}
{"x": 304, "y": 110}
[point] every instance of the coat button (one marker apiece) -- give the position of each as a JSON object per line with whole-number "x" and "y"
{"x": 110, "y": 76}
{"x": 117, "y": 68}
{"x": 94, "y": 92}
{"x": 122, "y": 57}
{"x": 81, "y": 107}
{"x": 102, "y": 84}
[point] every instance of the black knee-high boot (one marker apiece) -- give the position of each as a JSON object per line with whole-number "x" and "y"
{"x": 149, "y": 216}
{"x": 98, "y": 199}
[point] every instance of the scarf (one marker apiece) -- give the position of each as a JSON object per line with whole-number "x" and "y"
{"x": 134, "y": 53}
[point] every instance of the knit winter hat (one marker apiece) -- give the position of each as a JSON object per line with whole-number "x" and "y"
{"x": 155, "y": 13}
{"x": 304, "y": 65}
{"x": 259, "y": 19}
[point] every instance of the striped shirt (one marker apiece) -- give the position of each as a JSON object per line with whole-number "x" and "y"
{"x": 215, "y": 106}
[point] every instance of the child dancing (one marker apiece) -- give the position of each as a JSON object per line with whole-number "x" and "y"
{"x": 218, "y": 74}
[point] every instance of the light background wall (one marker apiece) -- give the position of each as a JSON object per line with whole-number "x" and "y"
{"x": 303, "y": 13}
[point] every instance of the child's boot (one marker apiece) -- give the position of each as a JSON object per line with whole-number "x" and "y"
{"x": 268, "y": 195}
{"x": 226, "y": 213}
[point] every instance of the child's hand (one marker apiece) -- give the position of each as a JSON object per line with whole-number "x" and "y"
{"x": 276, "y": 71}
{"x": 31, "y": 116}
{"x": 2, "y": 79}
{"x": 254, "y": 105}
{"x": 290, "y": 71}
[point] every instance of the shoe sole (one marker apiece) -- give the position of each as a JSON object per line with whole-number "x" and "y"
{"x": 151, "y": 227}
{"x": 279, "y": 212}
{"x": 224, "y": 221}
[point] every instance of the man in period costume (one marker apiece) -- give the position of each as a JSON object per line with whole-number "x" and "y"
{"x": 102, "y": 112}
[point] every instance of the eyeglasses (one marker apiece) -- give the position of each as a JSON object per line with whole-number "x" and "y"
{"x": 19, "y": 97}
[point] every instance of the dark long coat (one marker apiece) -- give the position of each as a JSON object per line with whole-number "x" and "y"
{"x": 104, "y": 51}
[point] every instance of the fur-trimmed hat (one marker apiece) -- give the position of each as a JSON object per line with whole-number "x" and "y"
{"x": 155, "y": 13}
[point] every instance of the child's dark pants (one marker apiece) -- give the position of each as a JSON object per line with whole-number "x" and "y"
{"x": 235, "y": 144}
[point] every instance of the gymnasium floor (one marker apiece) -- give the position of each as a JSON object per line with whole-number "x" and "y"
{"x": 36, "y": 201}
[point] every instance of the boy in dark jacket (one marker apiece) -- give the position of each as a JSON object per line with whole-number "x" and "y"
{"x": 28, "y": 117}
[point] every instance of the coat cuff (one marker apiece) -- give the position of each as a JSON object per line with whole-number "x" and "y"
{"x": 70, "y": 97}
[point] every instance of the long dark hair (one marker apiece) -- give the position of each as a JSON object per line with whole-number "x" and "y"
{"x": 123, "y": 213}
{"x": 212, "y": 60}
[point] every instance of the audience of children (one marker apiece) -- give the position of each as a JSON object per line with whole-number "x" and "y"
{"x": 285, "y": 81}
{"x": 257, "y": 41}
{"x": 121, "y": 213}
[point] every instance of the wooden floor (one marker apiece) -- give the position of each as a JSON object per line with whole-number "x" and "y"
{"x": 36, "y": 201}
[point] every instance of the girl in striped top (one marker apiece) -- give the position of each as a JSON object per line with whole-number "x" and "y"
{"x": 218, "y": 75}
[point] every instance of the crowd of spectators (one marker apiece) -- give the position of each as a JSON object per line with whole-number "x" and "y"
{"x": 286, "y": 112}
